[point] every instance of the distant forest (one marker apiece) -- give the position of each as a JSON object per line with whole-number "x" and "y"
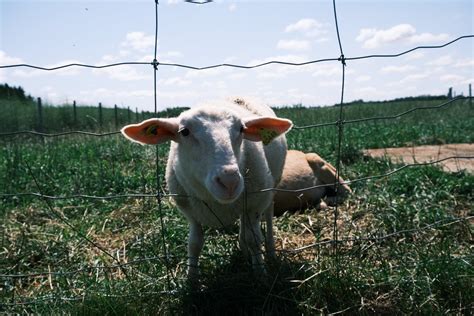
{"x": 9, "y": 92}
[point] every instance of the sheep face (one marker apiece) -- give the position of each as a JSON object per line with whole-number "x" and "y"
{"x": 208, "y": 145}
{"x": 213, "y": 141}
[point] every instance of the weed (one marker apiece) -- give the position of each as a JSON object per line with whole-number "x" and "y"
{"x": 404, "y": 243}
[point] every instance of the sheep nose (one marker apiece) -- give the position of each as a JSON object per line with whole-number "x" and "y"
{"x": 228, "y": 179}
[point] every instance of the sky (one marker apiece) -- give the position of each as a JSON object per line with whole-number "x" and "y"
{"x": 53, "y": 33}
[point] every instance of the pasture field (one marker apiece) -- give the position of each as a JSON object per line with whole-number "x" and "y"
{"x": 405, "y": 241}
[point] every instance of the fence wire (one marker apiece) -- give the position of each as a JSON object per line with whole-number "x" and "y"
{"x": 159, "y": 195}
{"x": 240, "y": 66}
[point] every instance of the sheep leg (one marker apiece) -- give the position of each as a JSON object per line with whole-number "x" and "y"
{"x": 327, "y": 174}
{"x": 242, "y": 240}
{"x": 195, "y": 243}
{"x": 269, "y": 240}
{"x": 251, "y": 239}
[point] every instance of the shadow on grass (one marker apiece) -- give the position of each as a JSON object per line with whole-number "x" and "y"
{"x": 234, "y": 289}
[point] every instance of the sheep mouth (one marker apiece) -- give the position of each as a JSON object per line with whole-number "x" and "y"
{"x": 226, "y": 196}
{"x": 226, "y": 200}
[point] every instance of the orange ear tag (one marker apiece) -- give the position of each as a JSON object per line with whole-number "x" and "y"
{"x": 267, "y": 135}
{"x": 151, "y": 130}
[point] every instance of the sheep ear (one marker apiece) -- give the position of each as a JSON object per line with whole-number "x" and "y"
{"x": 152, "y": 131}
{"x": 265, "y": 129}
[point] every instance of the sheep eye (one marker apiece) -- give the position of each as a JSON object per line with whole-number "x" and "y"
{"x": 184, "y": 131}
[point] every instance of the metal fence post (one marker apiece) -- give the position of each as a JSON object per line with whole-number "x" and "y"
{"x": 136, "y": 115}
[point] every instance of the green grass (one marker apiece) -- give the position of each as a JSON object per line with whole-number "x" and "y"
{"x": 23, "y": 114}
{"x": 420, "y": 268}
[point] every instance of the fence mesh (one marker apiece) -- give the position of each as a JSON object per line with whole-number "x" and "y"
{"x": 128, "y": 270}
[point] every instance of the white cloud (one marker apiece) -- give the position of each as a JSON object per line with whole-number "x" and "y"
{"x": 138, "y": 41}
{"x": 325, "y": 70}
{"x": 363, "y": 78}
{"x": 172, "y": 54}
{"x": 112, "y": 96}
{"x": 452, "y": 78}
{"x": 330, "y": 83}
{"x": 7, "y": 60}
{"x": 424, "y": 38}
{"x": 322, "y": 40}
{"x": 51, "y": 95}
{"x": 415, "y": 55}
{"x": 397, "y": 69}
{"x": 442, "y": 61}
{"x": 237, "y": 76}
{"x": 374, "y": 38}
{"x": 122, "y": 73}
{"x": 174, "y": 81}
{"x": 232, "y": 7}
{"x": 294, "y": 45}
{"x": 413, "y": 78}
{"x": 465, "y": 63}
{"x": 308, "y": 27}
{"x": 146, "y": 59}
{"x": 365, "y": 91}
{"x": 365, "y": 34}
{"x": 214, "y": 85}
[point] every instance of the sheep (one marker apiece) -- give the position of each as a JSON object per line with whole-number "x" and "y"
{"x": 306, "y": 170}
{"x": 220, "y": 155}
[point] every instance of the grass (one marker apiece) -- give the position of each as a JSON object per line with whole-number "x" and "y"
{"x": 402, "y": 248}
{"x": 23, "y": 114}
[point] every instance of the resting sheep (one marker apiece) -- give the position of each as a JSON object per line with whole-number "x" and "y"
{"x": 307, "y": 170}
{"x": 220, "y": 154}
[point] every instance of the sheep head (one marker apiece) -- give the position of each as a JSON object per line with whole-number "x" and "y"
{"x": 209, "y": 145}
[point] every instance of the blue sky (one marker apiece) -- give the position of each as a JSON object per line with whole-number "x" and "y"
{"x": 51, "y": 33}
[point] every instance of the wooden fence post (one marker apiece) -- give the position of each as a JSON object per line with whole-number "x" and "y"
{"x": 74, "y": 112}
{"x": 470, "y": 96}
{"x": 40, "y": 116}
{"x": 128, "y": 114}
{"x": 116, "y": 116}
{"x": 136, "y": 115}
{"x": 100, "y": 116}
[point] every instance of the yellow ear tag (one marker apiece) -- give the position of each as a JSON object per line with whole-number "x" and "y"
{"x": 151, "y": 130}
{"x": 267, "y": 135}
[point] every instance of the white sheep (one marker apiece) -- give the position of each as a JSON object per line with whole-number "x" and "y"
{"x": 220, "y": 155}
{"x": 303, "y": 171}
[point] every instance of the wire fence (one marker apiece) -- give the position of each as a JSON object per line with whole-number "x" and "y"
{"x": 170, "y": 277}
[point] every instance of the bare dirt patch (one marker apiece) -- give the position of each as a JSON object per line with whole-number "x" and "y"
{"x": 421, "y": 154}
